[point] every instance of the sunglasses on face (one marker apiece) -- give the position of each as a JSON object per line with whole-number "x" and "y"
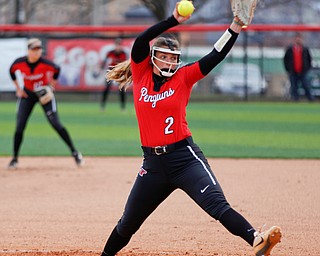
{"x": 35, "y": 48}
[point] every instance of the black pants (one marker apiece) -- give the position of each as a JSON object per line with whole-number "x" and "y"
{"x": 25, "y": 107}
{"x": 105, "y": 94}
{"x": 185, "y": 168}
{"x": 296, "y": 80}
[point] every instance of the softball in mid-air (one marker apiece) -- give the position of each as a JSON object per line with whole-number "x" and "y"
{"x": 185, "y": 8}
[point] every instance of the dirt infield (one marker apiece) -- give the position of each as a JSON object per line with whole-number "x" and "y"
{"x": 50, "y": 207}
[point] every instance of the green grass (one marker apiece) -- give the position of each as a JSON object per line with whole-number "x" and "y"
{"x": 236, "y": 130}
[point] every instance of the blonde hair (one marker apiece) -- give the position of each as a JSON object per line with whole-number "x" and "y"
{"x": 122, "y": 73}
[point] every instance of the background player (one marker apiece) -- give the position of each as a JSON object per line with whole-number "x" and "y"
{"x": 37, "y": 72}
{"x": 113, "y": 58}
{"x": 161, "y": 93}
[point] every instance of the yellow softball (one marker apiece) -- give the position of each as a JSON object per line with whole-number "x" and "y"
{"x": 185, "y": 8}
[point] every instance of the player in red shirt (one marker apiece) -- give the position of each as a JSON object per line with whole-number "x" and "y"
{"x": 114, "y": 57}
{"x": 39, "y": 74}
{"x": 161, "y": 90}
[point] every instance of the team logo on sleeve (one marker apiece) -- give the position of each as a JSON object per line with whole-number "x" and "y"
{"x": 156, "y": 97}
{"x": 142, "y": 172}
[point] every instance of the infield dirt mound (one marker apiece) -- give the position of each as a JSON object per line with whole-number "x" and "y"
{"x": 50, "y": 207}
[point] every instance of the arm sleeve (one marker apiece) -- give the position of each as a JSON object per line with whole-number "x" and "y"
{"x": 141, "y": 47}
{"x": 56, "y": 72}
{"x": 286, "y": 60}
{"x": 12, "y": 71}
{"x": 13, "y": 75}
{"x": 52, "y": 67}
{"x": 221, "y": 48}
{"x": 309, "y": 59}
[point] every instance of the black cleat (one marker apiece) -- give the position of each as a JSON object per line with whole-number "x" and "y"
{"x": 13, "y": 165}
{"x": 78, "y": 158}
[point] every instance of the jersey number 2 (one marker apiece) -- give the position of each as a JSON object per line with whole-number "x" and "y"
{"x": 170, "y": 122}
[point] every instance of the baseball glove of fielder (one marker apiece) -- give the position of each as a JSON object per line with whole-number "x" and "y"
{"x": 244, "y": 10}
{"x": 44, "y": 93}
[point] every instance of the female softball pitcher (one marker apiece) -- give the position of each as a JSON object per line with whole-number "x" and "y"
{"x": 37, "y": 73}
{"x": 161, "y": 90}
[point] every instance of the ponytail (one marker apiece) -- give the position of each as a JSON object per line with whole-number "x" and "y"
{"x": 121, "y": 73}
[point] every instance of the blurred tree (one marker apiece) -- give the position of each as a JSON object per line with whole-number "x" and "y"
{"x": 89, "y": 11}
{"x": 24, "y": 9}
{"x": 160, "y": 8}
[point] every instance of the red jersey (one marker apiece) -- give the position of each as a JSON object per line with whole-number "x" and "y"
{"x": 35, "y": 74}
{"x": 115, "y": 57}
{"x": 162, "y": 115}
